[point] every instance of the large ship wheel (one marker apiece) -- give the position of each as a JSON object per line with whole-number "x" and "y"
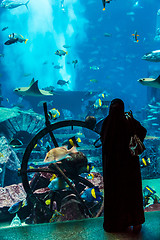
{"x": 77, "y": 183}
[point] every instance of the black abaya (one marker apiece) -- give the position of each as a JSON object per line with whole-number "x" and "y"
{"x": 123, "y": 201}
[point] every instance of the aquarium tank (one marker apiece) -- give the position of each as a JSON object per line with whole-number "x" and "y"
{"x": 61, "y": 64}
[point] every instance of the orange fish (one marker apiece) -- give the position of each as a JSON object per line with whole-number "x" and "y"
{"x": 135, "y": 35}
{"x": 104, "y": 3}
{"x": 58, "y": 153}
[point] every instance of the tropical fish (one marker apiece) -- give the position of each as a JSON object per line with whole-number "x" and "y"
{"x": 155, "y": 124}
{"x": 153, "y": 56}
{"x": 137, "y": 5}
{"x": 16, "y": 221}
{"x": 53, "y": 177}
{"x": 92, "y": 194}
{"x": 75, "y": 62}
{"x": 152, "y": 118}
{"x": 90, "y": 176}
{"x": 50, "y": 88}
{"x": 107, "y": 34}
{"x": 152, "y": 106}
{"x": 15, "y": 207}
{"x": 55, "y": 216}
{"x": 87, "y": 174}
{"x": 66, "y": 46}
{"x": 17, "y": 37}
{"x": 61, "y": 52}
{"x": 72, "y": 142}
{"x": 145, "y": 162}
{"x": 135, "y": 35}
{"x": 102, "y": 95}
{"x": 58, "y": 153}
{"x": 149, "y": 190}
{"x": 57, "y": 184}
{"x": 3, "y": 29}
{"x": 62, "y": 82}
{"x": 49, "y": 103}
{"x": 62, "y": 6}
{"x": 27, "y": 74}
{"x": 104, "y": 3}
{"x": 58, "y": 67}
{"x": 32, "y": 90}
{"x": 98, "y": 103}
{"x": 94, "y": 67}
{"x": 130, "y": 13}
{"x": 151, "y": 82}
{"x": 53, "y": 114}
{"x": 93, "y": 80}
{"x": 37, "y": 147}
{"x": 13, "y": 4}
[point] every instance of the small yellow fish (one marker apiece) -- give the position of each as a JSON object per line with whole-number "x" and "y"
{"x": 48, "y": 202}
{"x": 53, "y": 177}
{"x": 90, "y": 176}
{"x": 98, "y": 103}
{"x": 94, "y": 80}
{"x": 54, "y": 114}
{"x": 144, "y": 162}
{"x": 79, "y": 133}
{"x": 93, "y": 193}
{"x": 1, "y": 155}
{"x": 78, "y": 140}
{"x": 31, "y": 167}
{"x": 74, "y": 141}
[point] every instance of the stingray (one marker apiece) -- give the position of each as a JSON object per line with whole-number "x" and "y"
{"x": 150, "y": 82}
{"x": 8, "y": 113}
{"x": 32, "y": 90}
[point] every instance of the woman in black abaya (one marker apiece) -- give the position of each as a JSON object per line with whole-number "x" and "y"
{"x": 123, "y": 201}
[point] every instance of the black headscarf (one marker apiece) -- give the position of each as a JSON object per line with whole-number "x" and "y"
{"x": 116, "y": 109}
{"x": 112, "y": 123}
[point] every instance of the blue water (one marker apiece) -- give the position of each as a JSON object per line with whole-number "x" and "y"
{"x": 105, "y": 63}
{"x": 81, "y": 25}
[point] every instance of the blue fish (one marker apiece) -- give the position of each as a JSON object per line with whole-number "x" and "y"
{"x": 92, "y": 194}
{"x": 57, "y": 184}
{"x": 15, "y": 207}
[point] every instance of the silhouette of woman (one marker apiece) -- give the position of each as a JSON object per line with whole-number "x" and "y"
{"x": 123, "y": 201}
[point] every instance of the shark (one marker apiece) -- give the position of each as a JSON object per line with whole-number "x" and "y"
{"x": 150, "y": 82}
{"x": 32, "y": 90}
